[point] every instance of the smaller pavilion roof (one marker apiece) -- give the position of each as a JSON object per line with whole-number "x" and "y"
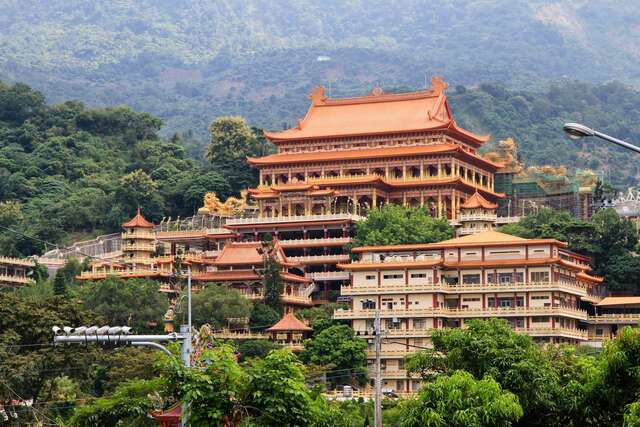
{"x": 138, "y": 221}
{"x": 247, "y": 253}
{"x": 477, "y": 201}
{"x": 289, "y": 323}
{"x": 612, "y": 301}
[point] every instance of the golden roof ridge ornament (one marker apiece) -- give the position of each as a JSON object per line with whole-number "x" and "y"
{"x": 438, "y": 84}
{"x": 317, "y": 95}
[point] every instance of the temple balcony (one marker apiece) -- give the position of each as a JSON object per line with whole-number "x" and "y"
{"x": 615, "y": 318}
{"x": 239, "y": 335}
{"x": 17, "y": 261}
{"x": 294, "y": 218}
{"x": 294, "y": 299}
{"x": 572, "y": 333}
{"x": 139, "y": 233}
{"x": 135, "y": 272}
{"x": 126, "y": 246}
{"x": 398, "y": 333}
{"x": 477, "y": 217}
{"x": 319, "y": 259}
{"x": 6, "y": 279}
{"x": 568, "y": 287}
{"x": 328, "y": 275}
{"x": 306, "y": 243}
{"x": 456, "y": 313}
{"x": 391, "y": 354}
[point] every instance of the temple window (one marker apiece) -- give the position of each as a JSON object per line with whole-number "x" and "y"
{"x": 432, "y": 171}
{"x": 414, "y": 171}
{"x": 447, "y": 169}
{"x": 282, "y": 179}
{"x": 396, "y": 172}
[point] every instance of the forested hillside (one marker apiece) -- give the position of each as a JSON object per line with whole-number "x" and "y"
{"x": 68, "y": 171}
{"x": 191, "y": 60}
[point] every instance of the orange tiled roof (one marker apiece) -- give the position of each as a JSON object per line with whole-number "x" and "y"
{"x": 366, "y": 153}
{"x": 289, "y": 323}
{"x": 477, "y": 201}
{"x": 377, "y": 113}
{"x": 589, "y": 278}
{"x": 246, "y": 253}
{"x": 619, "y": 301}
{"x": 138, "y": 221}
{"x": 487, "y": 238}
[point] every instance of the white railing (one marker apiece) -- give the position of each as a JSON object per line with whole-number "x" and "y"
{"x": 306, "y": 292}
{"x": 397, "y": 333}
{"x": 5, "y": 278}
{"x": 477, "y": 217}
{"x": 313, "y": 258}
{"x": 469, "y": 230}
{"x": 545, "y": 332}
{"x": 304, "y": 242}
{"x": 329, "y": 275}
{"x": 138, "y": 247}
{"x": 615, "y": 317}
{"x": 464, "y": 288}
{"x": 293, "y": 218}
{"x": 17, "y": 261}
{"x": 139, "y": 234}
{"x": 120, "y": 273}
{"x": 463, "y": 312}
{"x": 507, "y": 219}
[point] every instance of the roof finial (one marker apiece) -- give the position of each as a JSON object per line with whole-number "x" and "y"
{"x": 317, "y": 95}
{"x": 377, "y": 91}
{"x": 438, "y": 84}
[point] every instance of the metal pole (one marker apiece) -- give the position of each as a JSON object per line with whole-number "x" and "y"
{"x": 185, "y": 331}
{"x": 616, "y": 141}
{"x": 378, "y": 381}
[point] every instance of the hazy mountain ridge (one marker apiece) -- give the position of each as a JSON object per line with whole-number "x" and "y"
{"x": 205, "y": 58}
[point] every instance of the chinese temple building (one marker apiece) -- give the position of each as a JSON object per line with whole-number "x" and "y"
{"x": 290, "y": 332}
{"x": 537, "y": 285}
{"x": 477, "y": 215}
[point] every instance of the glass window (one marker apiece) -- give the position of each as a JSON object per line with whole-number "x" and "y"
{"x": 491, "y": 278}
{"x": 539, "y": 276}
{"x": 505, "y": 278}
{"x": 370, "y": 277}
{"x": 470, "y": 279}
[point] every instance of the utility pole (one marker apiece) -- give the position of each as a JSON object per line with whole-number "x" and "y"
{"x": 378, "y": 381}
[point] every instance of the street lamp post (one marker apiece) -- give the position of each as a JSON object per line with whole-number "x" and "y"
{"x": 577, "y": 131}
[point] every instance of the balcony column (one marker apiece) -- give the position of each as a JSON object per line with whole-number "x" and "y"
{"x": 439, "y": 170}
{"x": 386, "y": 171}
{"x": 404, "y": 171}
{"x": 421, "y": 198}
{"x": 422, "y": 169}
{"x": 439, "y": 204}
{"x": 374, "y": 197}
{"x": 404, "y": 199}
{"x": 260, "y": 181}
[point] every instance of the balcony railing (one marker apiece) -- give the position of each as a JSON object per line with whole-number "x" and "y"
{"x": 294, "y": 299}
{"x": 478, "y": 217}
{"x": 202, "y": 232}
{"x": 329, "y": 275}
{"x": 120, "y": 273}
{"x": 456, "y": 313}
{"x": 17, "y": 261}
{"x": 138, "y": 247}
{"x": 399, "y": 333}
{"x": 615, "y": 318}
{"x": 329, "y": 241}
{"x": 239, "y": 335}
{"x": 568, "y": 287}
{"x": 308, "y": 259}
{"x": 139, "y": 234}
{"x": 580, "y": 334}
{"x": 294, "y": 218}
{"x": 21, "y": 280}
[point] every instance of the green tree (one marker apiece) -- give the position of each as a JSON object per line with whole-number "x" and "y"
{"x": 548, "y": 396}
{"x": 338, "y": 349}
{"x": 271, "y": 278}
{"x": 263, "y": 317}
{"x": 255, "y": 348}
{"x": 132, "y": 302}
{"x": 394, "y": 225}
{"x": 217, "y": 304}
{"x": 129, "y": 405}
{"x": 65, "y": 276}
{"x": 461, "y": 400}
{"x": 231, "y": 141}
{"x": 277, "y": 393}
{"x": 214, "y": 389}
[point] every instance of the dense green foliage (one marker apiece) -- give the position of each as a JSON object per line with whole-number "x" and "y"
{"x": 393, "y": 225}
{"x": 263, "y": 317}
{"x": 272, "y": 281}
{"x": 67, "y": 170}
{"x": 340, "y": 352}
{"x": 132, "y": 302}
{"x": 459, "y": 400}
{"x": 554, "y": 385}
{"x": 609, "y": 239}
{"x": 220, "y": 306}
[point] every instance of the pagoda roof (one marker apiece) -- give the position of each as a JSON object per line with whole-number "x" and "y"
{"x": 477, "y": 201}
{"x": 613, "y": 301}
{"x": 368, "y": 153}
{"x": 486, "y": 238}
{"x": 289, "y": 323}
{"x": 248, "y": 253}
{"x": 138, "y": 221}
{"x": 376, "y": 113}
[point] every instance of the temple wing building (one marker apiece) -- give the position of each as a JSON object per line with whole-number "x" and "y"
{"x": 537, "y": 285}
